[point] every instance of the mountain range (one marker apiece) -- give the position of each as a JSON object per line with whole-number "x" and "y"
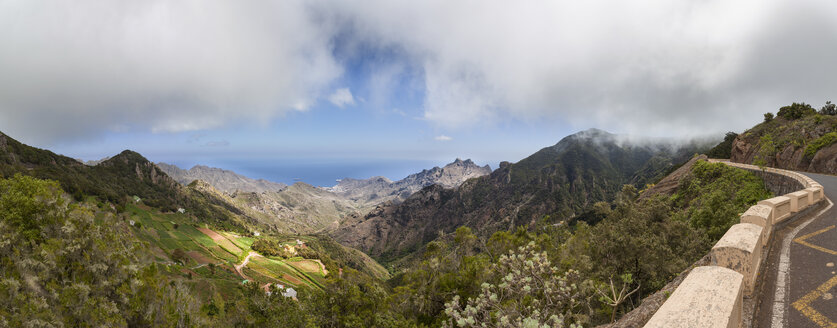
{"x": 224, "y": 180}
{"x": 554, "y": 184}
{"x": 377, "y": 190}
{"x": 302, "y": 208}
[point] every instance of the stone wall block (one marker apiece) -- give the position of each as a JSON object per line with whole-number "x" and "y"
{"x": 762, "y": 216}
{"x": 798, "y": 200}
{"x": 710, "y": 296}
{"x": 781, "y": 207}
{"x": 740, "y": 250}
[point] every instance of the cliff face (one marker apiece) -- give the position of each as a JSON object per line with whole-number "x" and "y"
{"x": 561, "y": 181}
{"x": 803, "y": 144}
{"x": 376, "y": 190}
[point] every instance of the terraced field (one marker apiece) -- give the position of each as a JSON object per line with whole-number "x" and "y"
{"x": 210, "y": 256}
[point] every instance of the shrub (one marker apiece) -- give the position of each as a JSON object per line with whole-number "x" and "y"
{"x": 796, "y": 111}
{"x": 826, "y": 140}
{"x": 829, "y": 109}
{"x": 768, "y": 117}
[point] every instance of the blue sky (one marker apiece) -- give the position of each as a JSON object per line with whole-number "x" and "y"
{"x": 408, "y": 84}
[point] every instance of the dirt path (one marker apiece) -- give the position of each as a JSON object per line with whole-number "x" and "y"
{"x": 239, "y": 267}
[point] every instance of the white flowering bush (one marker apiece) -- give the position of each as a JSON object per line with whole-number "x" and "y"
{"x": 529, "y": 292}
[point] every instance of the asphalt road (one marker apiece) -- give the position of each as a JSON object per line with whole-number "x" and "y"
{"x": 806, "y": 265}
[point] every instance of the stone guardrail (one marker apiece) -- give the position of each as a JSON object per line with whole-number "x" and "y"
{"x": 712, "y": 296}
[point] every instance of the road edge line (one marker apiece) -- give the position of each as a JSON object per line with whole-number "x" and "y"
{"x": 783, "y": 270}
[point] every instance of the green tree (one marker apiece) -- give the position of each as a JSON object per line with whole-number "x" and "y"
{"x": 829, "y": 109}
{"x": 796, "y": 111}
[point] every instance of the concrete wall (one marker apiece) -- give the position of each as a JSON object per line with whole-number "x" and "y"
{"x": 712, "y": 296}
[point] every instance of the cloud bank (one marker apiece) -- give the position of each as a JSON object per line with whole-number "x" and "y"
{"x": 637, "y": 66}
{"x": 70, "y": 69}
{"x": 651, "y": 67}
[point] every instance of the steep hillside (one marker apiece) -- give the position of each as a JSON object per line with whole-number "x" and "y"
{"x": 116, "y": 180}
{"x": 300, "y": 208}
{"x": 561, "y": 181}
{"x": 377, "y": 190}
{"x": 798, "y": 138}
{"x": 224, "y": 180}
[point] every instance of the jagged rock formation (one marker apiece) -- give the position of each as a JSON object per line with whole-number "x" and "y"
{"x": 224, "y": 180}
{"x": 561, "y": 181}
{"x": 377, "y": 190}
{"x": 302, "y": 208}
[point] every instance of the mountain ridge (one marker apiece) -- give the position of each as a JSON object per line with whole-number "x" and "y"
{"x": 558, "y": 181}
{"x": 224, "y": 180}
{"x": 376, "y": 190}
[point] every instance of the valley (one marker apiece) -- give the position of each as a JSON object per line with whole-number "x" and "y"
{"x": 205, "y": 254}
{"x": 418, "y": 250}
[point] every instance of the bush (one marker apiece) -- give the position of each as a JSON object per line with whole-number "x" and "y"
{"x": 796, "y": 111}
{"x": 715, "y": 194}
{"x": 826, "y": 140}
{"x": 768, "y": 117}
{"x": 179, "y": 256}
{"x": 829, "y": 109}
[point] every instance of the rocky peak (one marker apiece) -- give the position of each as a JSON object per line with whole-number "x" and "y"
{"x": 380, "y": 189}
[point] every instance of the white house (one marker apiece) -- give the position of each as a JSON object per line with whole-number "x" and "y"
{"x": 290, "y": 292}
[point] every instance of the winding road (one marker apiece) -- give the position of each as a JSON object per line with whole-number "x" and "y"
{"x": 801, "y": 277}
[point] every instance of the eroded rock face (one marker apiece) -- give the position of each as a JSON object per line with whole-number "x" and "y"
{"x": 790, "y": 157}
{"x": 782, "y": 143}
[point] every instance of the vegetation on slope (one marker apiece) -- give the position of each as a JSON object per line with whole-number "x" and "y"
{"x": 724, "y": 148}
{"x": 83, "y": 264}
{"x": 116, "y": 180}
{"x": 562, "y": 181}
{"x": 798, "y": 138}
{"x": 63, "y": 266}
{"x": 638, "y": 244}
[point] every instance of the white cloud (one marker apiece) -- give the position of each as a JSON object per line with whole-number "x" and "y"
{"x": 633, "y": 66}
{"x": 342, "y": 97}
{"x": 70, "y": 70}
{"x": 443, "y": 138}
{"x": 77, "y": 69}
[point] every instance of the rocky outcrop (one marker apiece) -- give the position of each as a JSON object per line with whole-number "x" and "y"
{"x": 376, "y": 190}
{"x": 783, "y": 143}
{"x": 224, "y": 180}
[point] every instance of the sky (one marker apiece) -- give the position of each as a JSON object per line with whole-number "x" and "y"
{"x": 336, "y": 86}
